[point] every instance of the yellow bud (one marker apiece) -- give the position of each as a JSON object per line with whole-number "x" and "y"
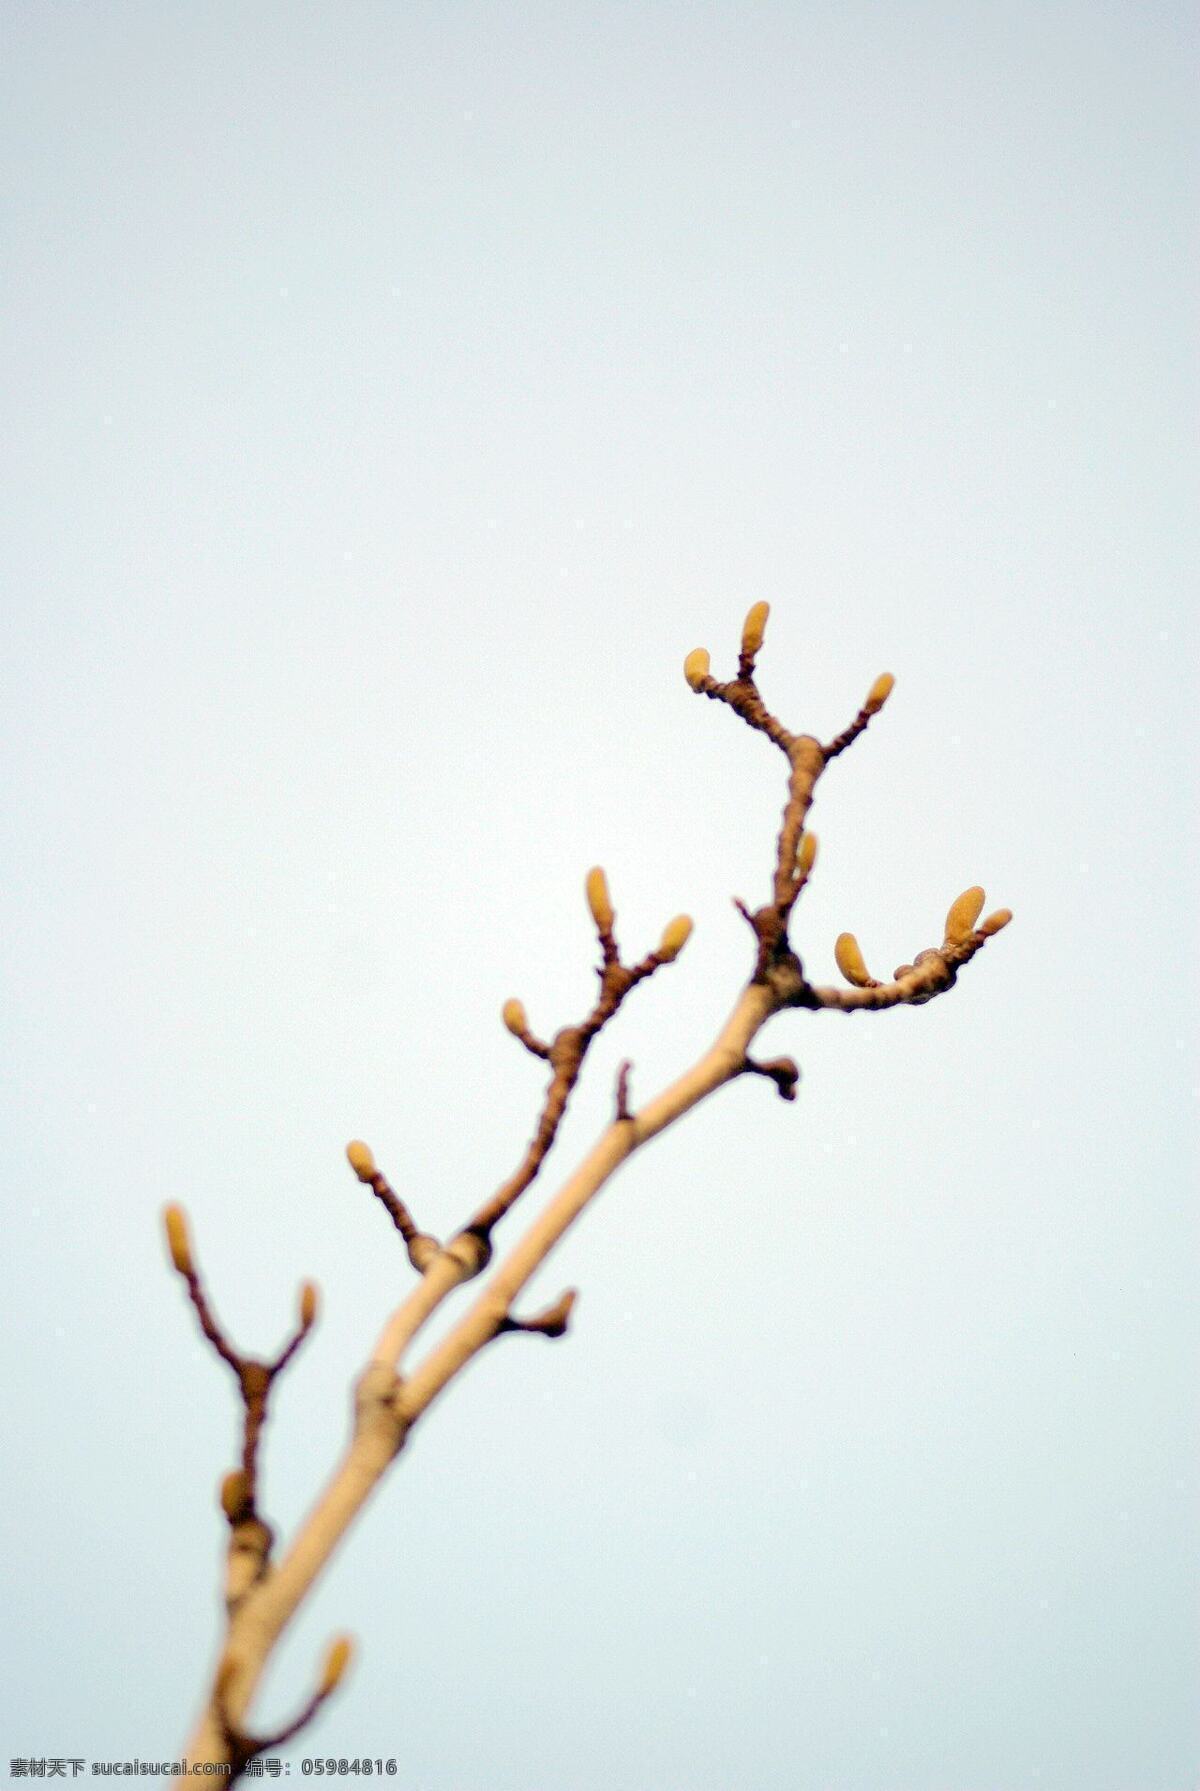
{"x": 754, "y": 627}
{"x": 598, "y": 901}
{"x": 960, "y": 922}
{"x": 513, "y": 1015}
{"x": 695, "y": 667}
{"x": 675, "y": 936}
{"x": 175, "y": 1220}
{"x": 879, "y": 693}
{"x": 233, "y": 1494}
{"x": 995, "y": 921}
{"x": 336, "y": 1662}
{"x": 850, "y": 961}
{"x": 308, "y": 1303}
{"x": 806, "y": 857}
{"x": 361, "y": 1159}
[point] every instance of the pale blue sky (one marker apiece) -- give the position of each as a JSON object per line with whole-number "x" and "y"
{"x": 396, "y": 394}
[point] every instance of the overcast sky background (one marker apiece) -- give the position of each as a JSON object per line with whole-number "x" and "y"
{"x": 396, "y": 394}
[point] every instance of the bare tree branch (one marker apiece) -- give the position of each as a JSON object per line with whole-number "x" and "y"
{"x": 262, "y": 1595}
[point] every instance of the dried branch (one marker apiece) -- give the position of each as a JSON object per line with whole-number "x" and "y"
{"x": 386, "y": 1408}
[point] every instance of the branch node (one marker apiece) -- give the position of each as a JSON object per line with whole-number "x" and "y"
{"x": 422, "y": 1248}
{"x": 471, "y": 1250}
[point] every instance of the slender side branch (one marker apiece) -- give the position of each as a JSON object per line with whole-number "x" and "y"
{"x": 420, "y": 1246}
{"x": 469, "y": 1253}
{"x": 250, "y": 1538}
{"x": 932, "y": 974}
{"x": 242, "y": 1747}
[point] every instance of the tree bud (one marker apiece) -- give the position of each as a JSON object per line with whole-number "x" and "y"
{"x": 308, "y": 1303}
{"x": 513, "y": 1015}
{"x": 806, "y": 856}
{"x": 960, "y": 922}
{"x": 995, "y": 921}
{"x": 175, "y": 1220}
{"x": 233, "y": 1494}
{"x": 879, "y": 693}
{"x": 753, "y": 629}
{"x": 598, "y": 900}
{"x": 850, "y": 961}
{"x": 361, "y": 1159}
{"x": 675, "y": 936}
{"x": 695, "y": 667}
{"x": 336, "y": 1662}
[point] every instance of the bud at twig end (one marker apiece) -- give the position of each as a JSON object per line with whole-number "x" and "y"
{"x": 695, "y": 667}
{"x": 598, "y": 900}
{"x": 336, "y": 1662}
{"x": 361, "y": 1159}
{"x": 675, "y": 936}
{"x": 175, "y": 1220}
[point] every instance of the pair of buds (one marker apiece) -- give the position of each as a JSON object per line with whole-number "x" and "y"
{"x": 676, "y": 934}
{"x": 961, "y": 922}
{"x": 754, "y": 628}
{"x": 180, "y": 1246}
{"x": 696, "y": 665}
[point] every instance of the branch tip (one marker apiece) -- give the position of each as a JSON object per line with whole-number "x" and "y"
{"x": 675, "y": 936}
{"x": 361, "y": 1159}
{"x": 851, "y": 963}
{"x": 514, "y": 1017}
{"x": 695, "y": 668}
{"x": 879, "y": 693}
{"x": 337, "y": 1659}
{"x": 599, "y": 901}
{"x": 964, "y": 912}
{"x": 553, "y": 1322}
{"x": 753, "y": 630}
{"x": 784, "y": 1072}
{"x": 175, "y": 1220}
